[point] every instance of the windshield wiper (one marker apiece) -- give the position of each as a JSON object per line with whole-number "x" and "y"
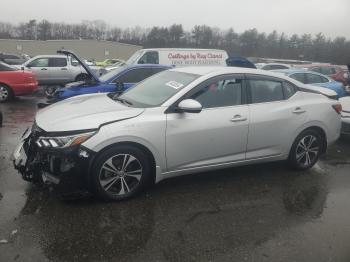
{"x": 123, "y": 101}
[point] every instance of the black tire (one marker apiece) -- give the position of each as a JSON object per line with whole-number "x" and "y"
{"x": 302, "y": 158}
{"x": 81, "y": 77}
{"x": 50, "y": 90}
{"x": 6, "y": 93}
{"x": 117, "y": 190}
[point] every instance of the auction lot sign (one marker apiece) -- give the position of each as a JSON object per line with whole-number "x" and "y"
{"x": 194, "y": 58}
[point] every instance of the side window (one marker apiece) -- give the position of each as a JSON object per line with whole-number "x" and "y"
{"x": 266, "y": 67}
{"x": 288, "y": 90}
{"x": 135, "y": 75}
{"x": 328, "y": 71}
{"x": 40, "y": 62}
{"x": 158, "y": 69}
{"x": 324, "y": 80}
{"x": 274, "y": 67}
{"x": 57, "y": 62}
{"x": 220, "y": 93}
{"x": 313, "y": 79}
{"x": 265, "y": 91}
{"x": 299, "y": 77}
{"x": 151, "y": 57}
{"x": 316, "y": 69}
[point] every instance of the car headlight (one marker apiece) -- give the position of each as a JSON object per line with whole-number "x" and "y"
{"x": 63, "y": 141}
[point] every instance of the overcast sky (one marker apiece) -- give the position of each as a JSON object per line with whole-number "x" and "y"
{"x": 332, "y": 17}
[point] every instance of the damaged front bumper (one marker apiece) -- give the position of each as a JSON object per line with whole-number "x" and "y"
{"x": 65, "y": 168}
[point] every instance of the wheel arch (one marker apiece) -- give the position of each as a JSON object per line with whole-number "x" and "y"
{"x": 318, "y": 128}
{"x": 140, "y": 146}
{"x": 12, "y": 92}
{"x": 80, "y": 74}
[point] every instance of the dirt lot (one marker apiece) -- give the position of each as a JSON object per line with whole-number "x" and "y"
{"x": 253, "y": 213}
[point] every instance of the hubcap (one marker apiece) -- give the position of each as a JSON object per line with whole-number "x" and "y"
{"x": 4, "y": 93}
{"x": 307, "y": 150}
{"x": 120, "y": 174}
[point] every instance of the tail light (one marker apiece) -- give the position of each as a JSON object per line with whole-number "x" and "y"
{"x": 338, "y": 108}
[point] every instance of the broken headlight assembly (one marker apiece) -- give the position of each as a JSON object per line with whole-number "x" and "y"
{"x": 63, "y": 141}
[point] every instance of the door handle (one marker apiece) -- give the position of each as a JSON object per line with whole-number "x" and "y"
{"x": 64, "y": 69}
{"x": 299, "y": 110}
{"x": 238, "y": 118}
{"x": 43, "y": 69}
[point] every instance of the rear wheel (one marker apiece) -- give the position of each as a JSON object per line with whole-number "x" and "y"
{"x": 120, "y": 173}
{"x": 306, "y": 150}
{"x": 6, "y": 93}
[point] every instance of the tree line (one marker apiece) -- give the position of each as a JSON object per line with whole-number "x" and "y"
{"x": 250, "y": 43}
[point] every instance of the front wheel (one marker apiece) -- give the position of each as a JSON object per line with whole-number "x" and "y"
{"x": 120, "y": 173}
{"x": 50, "y": 90}
{"x": 5, "y": 93}
{"x": 306, "y": 150}
{"x": 81, "y": 77}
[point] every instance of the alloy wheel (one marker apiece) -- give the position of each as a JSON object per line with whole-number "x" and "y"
{"x": 307, "y": 150}
{"x": 120, "y": 174}
{"x": 4, "y": 93}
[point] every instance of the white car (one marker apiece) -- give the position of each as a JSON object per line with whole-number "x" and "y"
{"x": 272, "y": 66}
{"x": 345, "y": 115}
{"x": 177, "y": 122}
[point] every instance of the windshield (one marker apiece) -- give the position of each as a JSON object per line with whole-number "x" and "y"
{"x": 111, "y": 74}
{"x": 6, "y": 67}
{"x": 155, "y": 90}
{"x": 132, "y": 60}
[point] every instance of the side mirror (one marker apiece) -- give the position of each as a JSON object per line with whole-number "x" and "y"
{"x": 22, "y": 68}
{"x": 189, "y": 106}
{"x": 119, "y": 86}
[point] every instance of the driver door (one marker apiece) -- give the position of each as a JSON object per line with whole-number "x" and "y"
{"x": 40, "y": 68}
{"x": 216, "y": 135}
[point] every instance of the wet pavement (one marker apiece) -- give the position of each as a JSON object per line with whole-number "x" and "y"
{"x": 254, "y": 213}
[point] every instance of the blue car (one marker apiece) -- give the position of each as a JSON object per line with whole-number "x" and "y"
{"x": 117, "y": 80}
{"x": 313, "y": 78}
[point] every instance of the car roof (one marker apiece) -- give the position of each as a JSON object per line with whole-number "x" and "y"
{"x": 182, "y": 49}
{"x": 146, "y": 65}
{"x": 40, "y": 56}
{"x": 298, "y": 70}
{"x": 205, "y": 70}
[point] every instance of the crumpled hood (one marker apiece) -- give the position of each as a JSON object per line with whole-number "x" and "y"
{"x": 83, "y": 112}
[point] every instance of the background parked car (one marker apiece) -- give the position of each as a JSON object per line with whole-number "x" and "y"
{"x": 272, "y": 66}
{"x": 15, "y": 82}
{"x": 114, "y": 66}
{"x": 116, "y": 80}
{"x": 239, "y": 62}
{"x": 179, "y": 57}
{"x": 314, "y": 78}
{"x": 108, "y": 62}
{"x": 13, "y": 59}
{"x": 55, "y": 69}
{"x": 335, "y": 72}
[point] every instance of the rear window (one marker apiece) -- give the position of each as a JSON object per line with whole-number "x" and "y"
{"x": 266, "y": 91}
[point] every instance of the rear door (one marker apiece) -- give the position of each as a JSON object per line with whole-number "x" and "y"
{"x": 58, "y": 68}
{"x": 276, "y": 112}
